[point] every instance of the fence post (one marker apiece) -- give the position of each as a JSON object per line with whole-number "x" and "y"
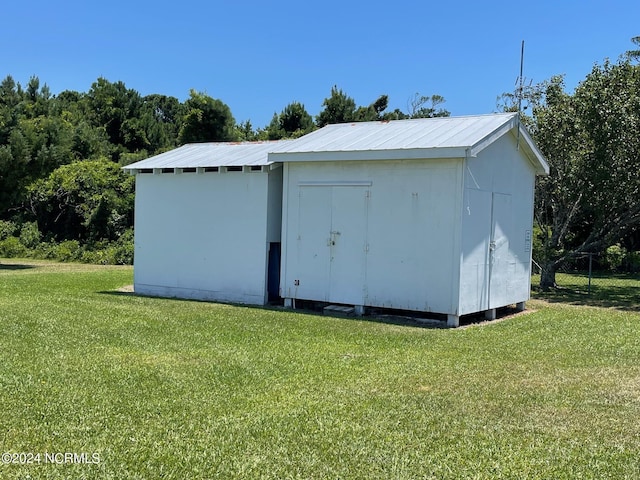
{"x": 590, "y": 267}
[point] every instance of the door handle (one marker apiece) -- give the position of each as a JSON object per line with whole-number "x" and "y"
{"x": 332, "y": 240}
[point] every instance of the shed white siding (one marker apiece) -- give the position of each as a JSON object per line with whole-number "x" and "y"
{"x": 497, "y": 219}
{"x": 431, "y": 215}
{"x": 206, "y": 236}
{"x": 373, "y": 233}
{"x": 208, "y": 223}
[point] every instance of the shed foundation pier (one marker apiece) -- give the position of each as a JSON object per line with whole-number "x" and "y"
{"x": 453, "y": 321}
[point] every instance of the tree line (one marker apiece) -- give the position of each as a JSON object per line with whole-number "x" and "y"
{"x": 62, "y": 192}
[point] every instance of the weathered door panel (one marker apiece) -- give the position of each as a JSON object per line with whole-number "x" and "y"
{"x": 474, "y": 278}
{"x": 501, "y": 265}
{"x": 347, "y": 245}
{"x": 332, "y": 229}
{"x": 313, "y": 254}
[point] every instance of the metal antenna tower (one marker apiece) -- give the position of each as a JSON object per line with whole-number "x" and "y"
{"x": 519, "y": 91}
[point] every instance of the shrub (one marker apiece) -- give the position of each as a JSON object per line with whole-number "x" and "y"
{"x": 30, "y": 235}
{"x": 45, "y": 250}
{"x": 87, "y": 200}
{"x": 11, "y": 247}
{"x": 7, "y": 229}
{"x": 119, "y": 252}
{"x": 67, "y": 251}
{"x": 614, "y": 255}
{"x": 124, "y": 248}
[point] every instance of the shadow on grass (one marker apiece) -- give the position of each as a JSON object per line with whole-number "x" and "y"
{"x": 405, "y": 318}
{"x": 119, "y": 293}
{"x": 16, "y": 266}
{"x": 622, "y": 294}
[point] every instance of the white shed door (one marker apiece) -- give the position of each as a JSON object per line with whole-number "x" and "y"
{"x": 475, "y": 247}
{"x": 488, "y": 266}
{"x": 314, "y": 225}
{"x": 332, "y": 243}
{"x": 348, "y": 245}
{"x": 500, "y": 264}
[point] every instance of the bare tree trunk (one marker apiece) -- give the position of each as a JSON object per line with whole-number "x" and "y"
{"x": 548, "y": 276}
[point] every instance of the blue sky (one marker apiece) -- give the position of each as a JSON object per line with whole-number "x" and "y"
{"x": 259, "y": 56}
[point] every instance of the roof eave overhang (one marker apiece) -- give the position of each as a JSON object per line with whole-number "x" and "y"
{"x": 265, "y": 167}
{"x": 525, "y": 144}
{"x": 492, "y": 137}
{"x": 360, "y": 155}
{"x": 532, "y": 152}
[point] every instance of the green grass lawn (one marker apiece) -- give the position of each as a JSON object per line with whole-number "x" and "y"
{"x": 605, "y": 290}
{"x": 169, "y": 389}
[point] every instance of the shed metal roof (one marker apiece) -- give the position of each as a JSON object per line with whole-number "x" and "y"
{"x": 443, "y": 137}
{"x": 212, "y": 155}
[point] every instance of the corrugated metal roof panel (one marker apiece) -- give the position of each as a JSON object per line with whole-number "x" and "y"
{"x": 425, "y": 133}
{"x": 212, "y": 155}
{"x": 446, "y": 137}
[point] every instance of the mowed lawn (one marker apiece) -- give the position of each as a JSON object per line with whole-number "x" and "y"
{"x": 169, "y": 389}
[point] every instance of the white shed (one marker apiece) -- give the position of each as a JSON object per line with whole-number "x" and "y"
{"x": 431, "y": 215}
{"x": 208, "y": 223}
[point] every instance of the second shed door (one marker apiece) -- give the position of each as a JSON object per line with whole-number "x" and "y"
{"x": 501, "y": 266}
{"x": 487, "y": 264}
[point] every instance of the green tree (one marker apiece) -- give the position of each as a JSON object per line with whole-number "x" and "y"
{"x": 36, "y": 100}
{"x": 49, "y": 140}
{"x": 635, "y": 53}
{"x": 15, "y": 157}
{"x": 84, "y": 200}
{"x": 89, "y": 140}
{"x": 373, "y": 112}
{"x": 337, "y": 108}
{"x": 206, "y": 119}
{"x": 425, "y": 106}
{"x": 116, "y": 108}
{"x": 10, "y": 97}
{"x": 294, "y": 121}
{"x": 89, "y": 143}
{"x": 161, "y": 116}
{"x": 246, "y": 133}
{"x": 340, "y": 108}
{"x": 10, "y": 92}
{"x": 591, "y": 199}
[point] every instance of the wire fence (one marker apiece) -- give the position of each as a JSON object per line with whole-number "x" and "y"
{"x": 591, "y": 280}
